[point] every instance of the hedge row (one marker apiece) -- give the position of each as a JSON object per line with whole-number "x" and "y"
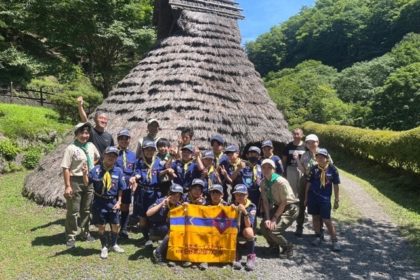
{"x": 397, "y": 149}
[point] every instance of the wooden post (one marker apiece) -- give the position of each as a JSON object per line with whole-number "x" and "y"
{"x": 11, "y": 92}
{"x": 42, "y": 97}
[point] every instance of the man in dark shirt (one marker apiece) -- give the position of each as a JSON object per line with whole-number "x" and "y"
{"x": 98, "y": 136}
{"x": 291, "y": 154}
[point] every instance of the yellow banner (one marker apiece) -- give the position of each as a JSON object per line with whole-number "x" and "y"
{"x": 203, "y": 234}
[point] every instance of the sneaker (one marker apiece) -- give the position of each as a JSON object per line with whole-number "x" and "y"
{"x": 287, "y": 252}
{"x": 299, "y": 232}
{"x": 186, "y": 264}
{"x": 203, "y": 266}
{"x": 87, "y": 237}
{"x": 336, "y": 246}
{"x": 171, "y": 264}
{"x": 237, "y": 265}
{"x": 104, "y": 253}
{"x": 71, "y": 243}
{"x": 116, "y": 248}
{"x": 250, "y": 262}
{"x": 157, "y": 257}
{"x": 149, "y": 243}
{"x": 317, "y": 241}
{"x": 123, "y": 235}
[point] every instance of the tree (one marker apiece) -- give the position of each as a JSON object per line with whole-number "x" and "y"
{"x": 106, "y": 37}
{"x": 397, "y": 106}
{"x": 305, "y": 93}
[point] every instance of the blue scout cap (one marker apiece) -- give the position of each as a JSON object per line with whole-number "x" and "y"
{"x": 217, "y": 137}
{"x": 197, "y": 182}
{"x": 322, "y": 152}
{"x": 175, "y": 188}
{"x": 208, "y": 154}
{"x": 188, "y": 147}
{"x": 216, "y": 187}
{"x": 267, "y": 143}
{"x": 232, "y": 149}
{"x": 240, "y": 188}
{"x": 124, "y": 132}
{"x": 149, "y": 144}
{"x": 254, "y": 149}
{"x": 112, "y": 150}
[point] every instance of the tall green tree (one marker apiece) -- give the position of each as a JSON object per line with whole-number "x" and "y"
{"x": 106, "y": 37}
{"x": 397, "y": 106}
{"x": 306, "y": 93}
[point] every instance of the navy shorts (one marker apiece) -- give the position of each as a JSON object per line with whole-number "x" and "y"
{"x": 102, "y": 215}
{"x": 126, "y": 196}
{"x": 321, "y": 208}
{"x": 143, "y": 200}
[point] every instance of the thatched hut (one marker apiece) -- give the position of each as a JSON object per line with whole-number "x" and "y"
{"x": 197, "y": 76}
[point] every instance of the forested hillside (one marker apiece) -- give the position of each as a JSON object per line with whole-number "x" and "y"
{"x": 345, "y": 62}
{"x": 80, "y": 47}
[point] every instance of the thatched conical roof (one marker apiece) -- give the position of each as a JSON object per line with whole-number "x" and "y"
{"x": 198, "y": 76}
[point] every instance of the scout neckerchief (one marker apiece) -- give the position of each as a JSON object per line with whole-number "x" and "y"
{"x": 209, "y": 173}
{"x": 269, "y": 184}
{"x": 186, "y": 165}
{"x": 84, "y": 148}
{"x": 217, "y": 159}
{"x": 323, "y": 176}
{"x": 149, "y": 167}
{"x": 254, "y": 173}
{"x": 236, "y": 164}
{"x": 106, "y": 180}
{"x": 124, "y": 157}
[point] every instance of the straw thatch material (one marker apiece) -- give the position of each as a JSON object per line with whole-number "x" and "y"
{"x": 199, "y": 77}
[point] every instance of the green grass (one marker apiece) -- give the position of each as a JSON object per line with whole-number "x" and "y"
{"x": 397, "y": 191}
{"x": 20, "y": 121}
{"x": 32, "y": 245}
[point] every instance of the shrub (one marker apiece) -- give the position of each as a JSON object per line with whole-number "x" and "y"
{"x": 31, "y": 158}
{"x": 398, "y": 149}
{"x": 8, "y": 150}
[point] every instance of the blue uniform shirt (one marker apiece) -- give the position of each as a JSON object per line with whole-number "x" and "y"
{"x": 128, "y": 167}
{"x": 319, "y": 192}
{"x": 117, "y": 183}
{"x": 185, "y": 173}
{"x": 250, "y": 176}
{"x": 149, "y": 174}
{"x": 251, "y": 208}
{"x": 161, "y": 217}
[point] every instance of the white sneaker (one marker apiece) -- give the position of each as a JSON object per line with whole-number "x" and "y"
{"x": 116, "y": 248}
{"x": 149, "y": 243}
{"x": 104, "y": 253}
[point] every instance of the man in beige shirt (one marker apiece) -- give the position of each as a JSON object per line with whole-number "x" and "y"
{"x": 280, "y": 207}
{"x": 78, "y": 156}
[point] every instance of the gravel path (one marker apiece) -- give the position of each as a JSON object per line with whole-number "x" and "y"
{"x": 372, "y": 248}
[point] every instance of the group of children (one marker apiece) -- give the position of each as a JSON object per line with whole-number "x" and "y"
{"x": 156, "y": 177}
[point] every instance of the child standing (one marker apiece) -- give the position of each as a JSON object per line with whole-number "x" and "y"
{"x": 322, "y": 179}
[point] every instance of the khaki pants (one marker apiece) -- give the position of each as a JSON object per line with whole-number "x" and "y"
{"x": 78, "y": 208}
{"x": 294, "y": 176}
{"x": 275, "y": 237}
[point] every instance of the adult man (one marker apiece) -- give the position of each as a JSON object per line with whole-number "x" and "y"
{"x": 280, "y": 209}
{"x": 291, "y": 154}
{"x": 98, "y": 136}
{"x": 78, "y": 156}
{"x": 153, "y": 128}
